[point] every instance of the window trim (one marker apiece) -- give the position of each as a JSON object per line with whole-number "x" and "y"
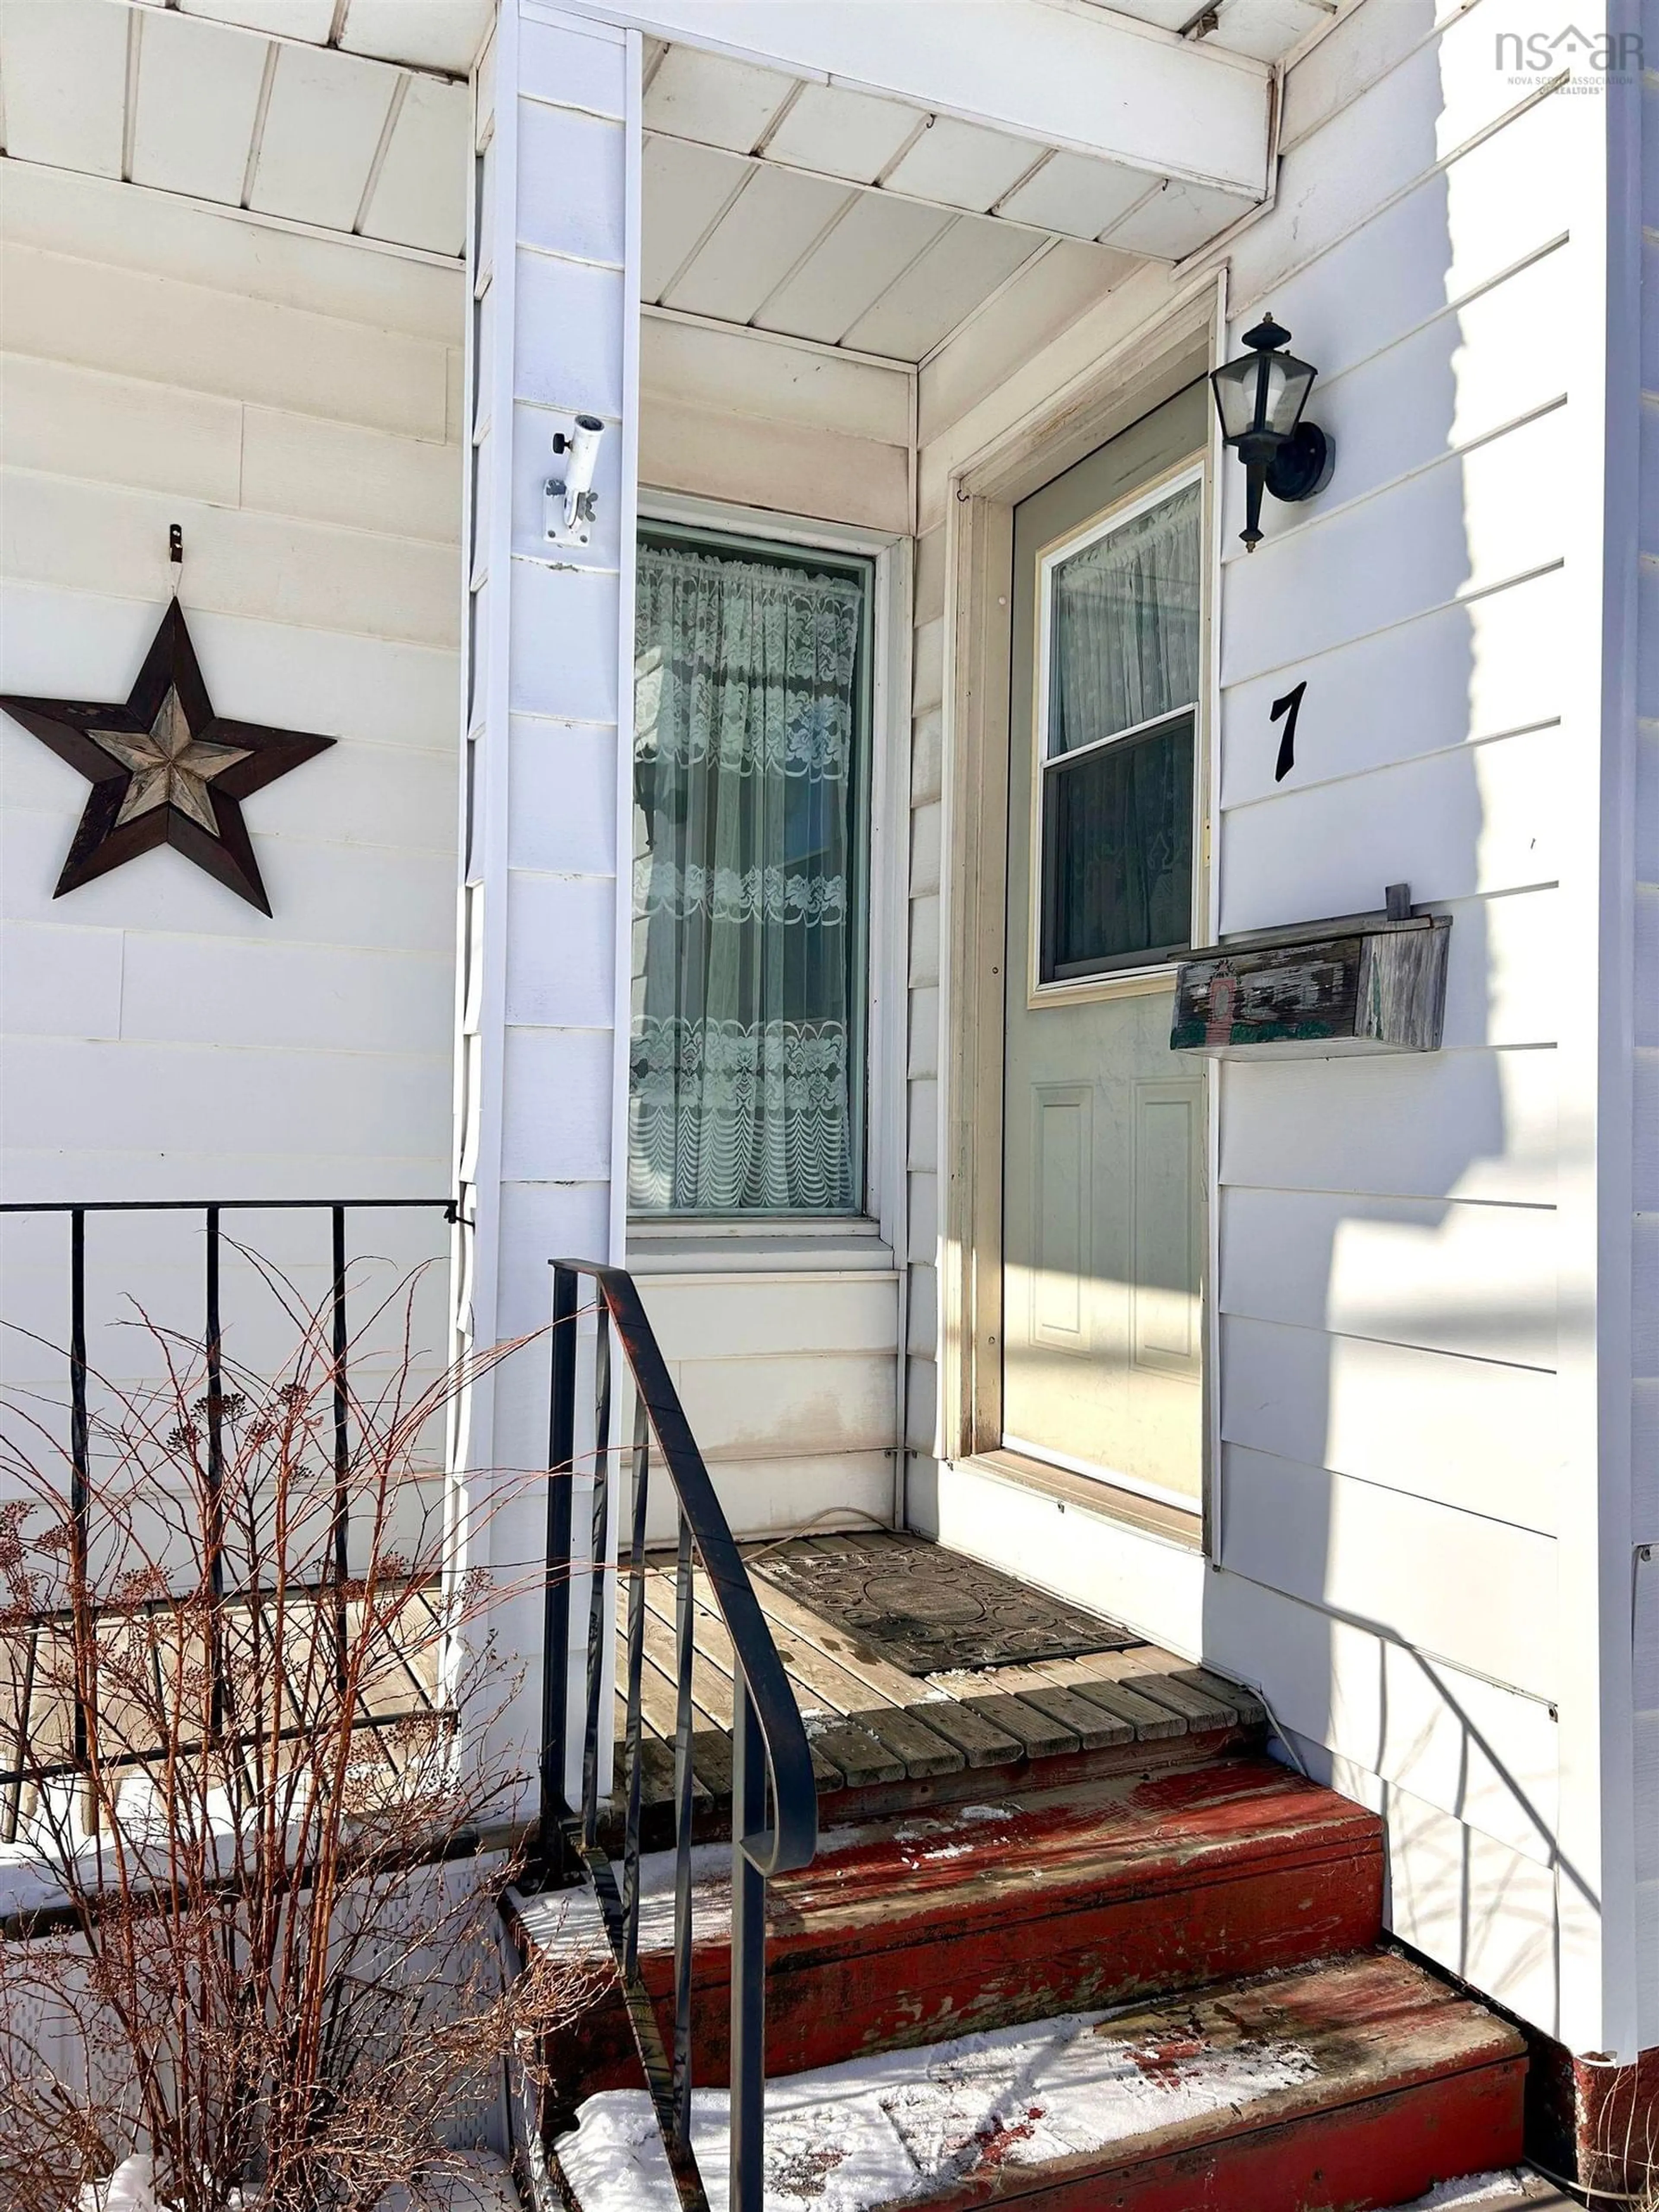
{"x": 883, "y": 828}
{"x": 1130, "y": 974}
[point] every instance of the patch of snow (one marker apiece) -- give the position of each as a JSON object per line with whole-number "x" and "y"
{"x": 902, "y": 2123}
{"x": 954, "y": 1817}
{"x": 127, "y": 2190}
{"x": 483, "y": 2183}
{"x": 1475, "y": 2188}
{"x": 568, "y": 1922}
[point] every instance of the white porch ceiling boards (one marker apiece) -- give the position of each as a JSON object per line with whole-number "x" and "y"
{"x": 1266, "y": 30}
{"x": 1061, "y": 74}
{"x": 850, "y": 218}
{"x": 427, "y": 34}
{"x": 200, "y": 99}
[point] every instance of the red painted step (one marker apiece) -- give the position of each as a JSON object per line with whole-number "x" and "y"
{"x": 909, "y": 1932}
{"x": 1343, "y": 2088}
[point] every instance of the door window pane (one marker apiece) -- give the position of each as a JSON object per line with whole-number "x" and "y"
{"x": 1123, "y": 616}
{"x": 1123, "y": 631}
{"x": 749, "y": 712}
{"x": 1121, "y": 833}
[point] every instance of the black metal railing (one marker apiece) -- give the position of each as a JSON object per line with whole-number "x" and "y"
{"x": 211, "y": 1211}
{"x": 774, "y": 1795}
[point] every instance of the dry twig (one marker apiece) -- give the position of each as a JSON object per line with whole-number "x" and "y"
{"x": 253, "y": 1784}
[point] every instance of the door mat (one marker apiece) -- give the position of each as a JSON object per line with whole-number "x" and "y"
{"x": 928, "y": 1611}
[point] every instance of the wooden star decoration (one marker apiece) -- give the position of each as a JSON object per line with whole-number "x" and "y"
{"x": 164, "y": 768}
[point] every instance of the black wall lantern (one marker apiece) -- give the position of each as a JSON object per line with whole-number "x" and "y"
{"x": 1260, "y": 400}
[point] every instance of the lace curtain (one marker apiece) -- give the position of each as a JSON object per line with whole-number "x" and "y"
{"x": 1125, "y": 626}
{"x": 1124, "y": 649}
{"x": 741, "y": 1092}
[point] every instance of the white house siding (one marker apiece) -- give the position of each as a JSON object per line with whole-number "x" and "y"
{"x": 292, "y": 402}
{"x": 1645, "y": 1424}
{"x": 1425, "y": 1239}
{"x": 736, "y": 415}
{"x": 1407, "y": 1520}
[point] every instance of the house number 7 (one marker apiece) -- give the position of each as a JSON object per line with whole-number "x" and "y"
{"x": 1289, "y": 706}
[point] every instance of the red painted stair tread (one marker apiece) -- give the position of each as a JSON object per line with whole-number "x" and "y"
{"x": 910, "y": 1931}
{"x": 1338, "y": 2088}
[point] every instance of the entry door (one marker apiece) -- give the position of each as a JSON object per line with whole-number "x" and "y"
{"x": 1104, "y": 1168}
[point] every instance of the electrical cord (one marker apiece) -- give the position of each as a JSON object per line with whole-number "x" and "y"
{"x": 1584, "y": 2188}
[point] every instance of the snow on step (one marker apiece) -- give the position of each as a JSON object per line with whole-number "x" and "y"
{"x": 1288, "y": 2073}
{"x": 1486, "y": 2192}
{"x": 480, "y": 2182}
{"x": 883, "y": 2129}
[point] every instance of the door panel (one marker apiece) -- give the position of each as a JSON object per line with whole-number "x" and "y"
{"x": 1103, "y": 1183}
{"x": 1168, "y": 1187}
{"x": 1062, "y": 1208}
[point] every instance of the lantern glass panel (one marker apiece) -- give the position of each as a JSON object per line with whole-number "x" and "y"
{"x": 1235, "y": 396}
{"x": 1289, "y": 383}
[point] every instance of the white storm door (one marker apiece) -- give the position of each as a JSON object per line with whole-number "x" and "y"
{"x": 1103, "y": 1170}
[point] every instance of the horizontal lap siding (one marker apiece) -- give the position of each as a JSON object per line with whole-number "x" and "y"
{"x": 788, "y": 1380}
{"x": 1391, "y": 1425}
{"x": 1392, "y": 1459}
{"x": 760, "y": 422}
{"x": 289, "y": 402}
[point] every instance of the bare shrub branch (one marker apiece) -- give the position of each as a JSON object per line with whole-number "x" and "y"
{"x": 244, "y": 1694}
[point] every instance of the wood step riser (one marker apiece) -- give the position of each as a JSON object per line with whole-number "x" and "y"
{"x": 1357, "y": 2158}
{"x": 948, "y": 1976}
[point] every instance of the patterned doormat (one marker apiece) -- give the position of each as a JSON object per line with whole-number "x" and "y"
{"x": 927, "y": 1610}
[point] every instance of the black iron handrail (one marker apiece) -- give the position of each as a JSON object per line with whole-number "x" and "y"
{"x": 213, "y": 1348}
{"x": 775, "y": 1812}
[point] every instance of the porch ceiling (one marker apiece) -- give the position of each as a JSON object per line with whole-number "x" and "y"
{"x": 1265, "y": 29}
{"x": 808, "y": 206}
{"x": 347, "y": 117}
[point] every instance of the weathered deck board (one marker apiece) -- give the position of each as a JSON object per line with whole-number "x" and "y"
{"x": 1152, "y": 1722}
{"x": 980, "y": 1741}
{"x": 1157, "y": 1675}
{"x": 892, "y": 1708}
{"x": 875, "y": 1729}
{"x": 711, "y": 1687}
{"x": 711, "y": 1739}
{"x": 1090, "y": 1726}
{"x": 716, "y": 1646}
{"x": 657, "y": 1766}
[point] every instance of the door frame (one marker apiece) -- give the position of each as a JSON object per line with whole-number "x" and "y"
{"x": 1150, "y": 365}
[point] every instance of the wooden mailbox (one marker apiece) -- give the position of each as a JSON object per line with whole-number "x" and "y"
{"x": 1366, "y": 983}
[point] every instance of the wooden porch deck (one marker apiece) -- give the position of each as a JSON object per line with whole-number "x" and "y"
{"x": 883, "y": 1739}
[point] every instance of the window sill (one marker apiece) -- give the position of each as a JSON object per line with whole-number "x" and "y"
{"x": 761, "y": 1248}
